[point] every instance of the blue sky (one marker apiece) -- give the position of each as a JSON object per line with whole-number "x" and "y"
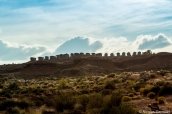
{"x": 49, "y": 27}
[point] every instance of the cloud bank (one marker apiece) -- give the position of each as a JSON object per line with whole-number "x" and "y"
{"x": 77, "y": 45}
{"x": 16, "y": 52}
{"x": 152, "y": 42}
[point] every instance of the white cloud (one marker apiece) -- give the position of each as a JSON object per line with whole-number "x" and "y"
{"x": 18, "y": 52}
{"x": 152, "y": 42}
{"x": 14, "y": 53}
{"x": 77, "y": 45}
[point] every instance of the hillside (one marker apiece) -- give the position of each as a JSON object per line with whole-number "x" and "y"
{"x": 91, "y": 66}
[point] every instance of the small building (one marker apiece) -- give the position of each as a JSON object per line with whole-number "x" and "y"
{"x": 93, "y": 54}
{"x": 87, "y": 54}
{"x": 134, "y": 53}
{"x": 32, "y": 59}
{"x": 98, "y": 54}
{"x": 46, "y": 57}
{"x": 123, "y": 54}
{"x": 129, "y": 54}
{"x": 52, "y": 57}
{"x": 40, "y": 58}
{"x": 106, "y": 55}
{"x": 112, "y": 55}
{"x": 139, "y": 53}
{"x": 118, "y": 54}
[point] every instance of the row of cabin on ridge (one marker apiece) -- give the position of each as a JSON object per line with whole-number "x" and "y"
{"x": 77, "y": 55}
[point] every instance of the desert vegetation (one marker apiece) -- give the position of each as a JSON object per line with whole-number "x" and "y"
{"x": 113, "y": 93}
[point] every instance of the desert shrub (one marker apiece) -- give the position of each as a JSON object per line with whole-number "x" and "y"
{"x": 7, "y": 103}
{"x": 161, "y": 83}
{"x": 13, "y": 86}
{"x": 23, "y": 104}
{"x": 143, "y": 74}
{"x": 116, "y": 98}
{"x": 13, "y": 110}
{"x": 106, "y": 92}
{"x": 151, "y": 95}
{"x": 163, "y": 72}
{"x": 137, "y": 97}
{"x": 49, "y": 101}
{"x": 109, "y": 85}
{"x": 111, "y": 75}
{"x": 62, "y": 83}
{"x": 131, "y": 83}
{"x": 64, "y": 101}
{"x": 137, "y": 86}
{"x": 1, "y": 86}
{"x": 167, "y": 89}
{"x": 152, "y": 75}
{"x": 161, "y": 100}
{"x": 130, "y": 94}
{"x": 124, "y": 109}
{"x": 83, "y": 100}
{"x": 126, "y": 98}
{"x": 155, "y": 89}
{"x": 95, "y": 101}
{"x": 85, "y": 91}
{"x": 144, "y": 91}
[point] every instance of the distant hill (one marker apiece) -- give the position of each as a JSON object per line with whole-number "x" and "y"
{"x": 91, "y": 66}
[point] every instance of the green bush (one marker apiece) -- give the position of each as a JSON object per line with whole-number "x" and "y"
{"x": 161, "y": 83}
{"x": 64, "y": 101}
{"x": 161, "y": 100}
{"x": 11, "y": 103}
{"x": 13, "y": 86}
{"x": 62, "y": 83}
{"x": 166, "y": 89}
{"x": 152, "y": 75}
{"x": 124, "y": 109}
{"x": 126, "y": 98}
{"x": 13, "y": 110}
{"x": 111, "y": 75}
{"x": 130, "y": 94}
{"x": 155, "y": 89}
{"x": 109, "y": 85}
{"x": 151, "y": 95}
{"x": 7, "y": 103}
{"x": 83, "y": 100}
{"x": 95, "y": 101}
{"x": 137, "y": 86}
{"x": 144, "y": 91}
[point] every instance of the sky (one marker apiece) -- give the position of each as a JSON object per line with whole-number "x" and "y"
{"x": 33, "y": 28}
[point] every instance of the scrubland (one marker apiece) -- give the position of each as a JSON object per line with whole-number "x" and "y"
{"x": 114, "y": 93}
